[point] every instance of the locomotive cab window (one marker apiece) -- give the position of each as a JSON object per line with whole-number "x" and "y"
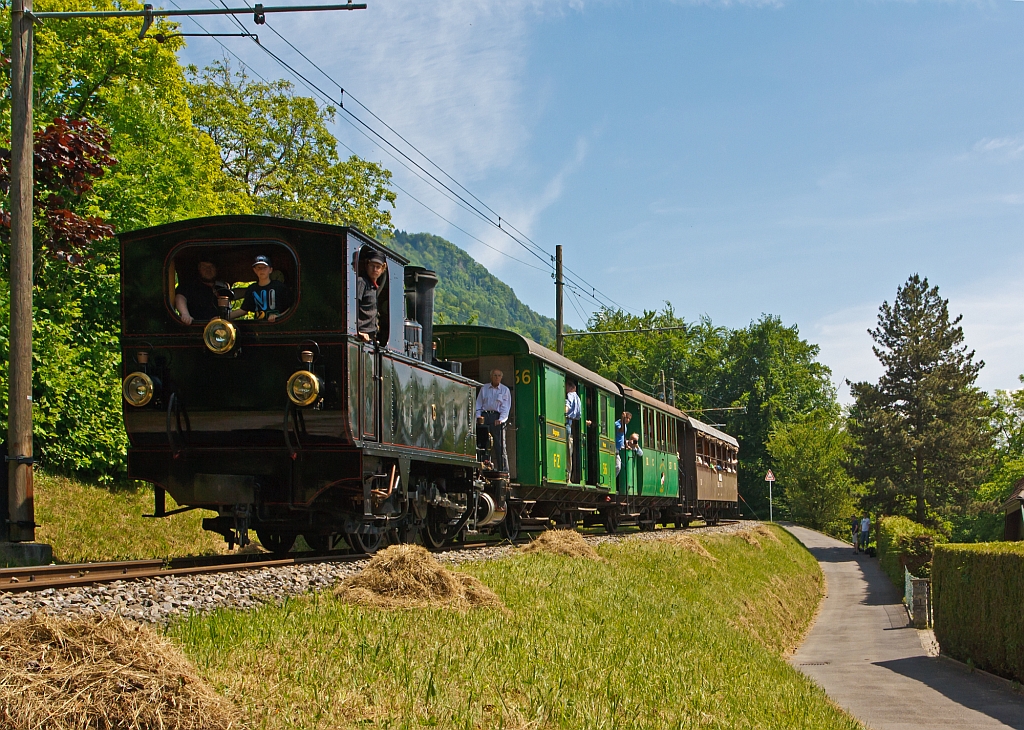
{"x": 252, "y": 281}
{"x": 372, "y": 294}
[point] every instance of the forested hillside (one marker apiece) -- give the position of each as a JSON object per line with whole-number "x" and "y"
{"x": 467, "y": 292}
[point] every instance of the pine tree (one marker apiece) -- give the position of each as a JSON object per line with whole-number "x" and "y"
{"x": 922, "y": 432}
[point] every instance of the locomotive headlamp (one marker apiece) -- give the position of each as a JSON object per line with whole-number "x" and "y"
{"x": 137, "y": 389}
{"x": 219, "y": 336}
{"x": 303, "y": 388}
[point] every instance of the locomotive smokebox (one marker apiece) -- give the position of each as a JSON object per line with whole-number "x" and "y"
{"x": 419, "y": 298}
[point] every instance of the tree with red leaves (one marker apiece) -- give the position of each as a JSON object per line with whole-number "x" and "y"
{"x": 68, "y": 156}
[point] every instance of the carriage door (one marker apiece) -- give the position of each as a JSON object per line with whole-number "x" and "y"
{"x": 369, "y": 368}
{"x": 556, "y": 448}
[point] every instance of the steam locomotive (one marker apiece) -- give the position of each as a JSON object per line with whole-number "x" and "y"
{"x": 295, "y": 425}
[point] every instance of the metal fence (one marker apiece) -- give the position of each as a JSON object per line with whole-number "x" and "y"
{"x": 917, "y": 595}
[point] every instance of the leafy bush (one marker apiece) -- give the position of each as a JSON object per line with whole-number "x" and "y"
{"x": 904, "y": 543}
{"x": 978, "y": 590}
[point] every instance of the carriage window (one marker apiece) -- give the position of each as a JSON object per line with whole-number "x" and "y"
{"x": 253, "y": 281}
{"x": 672, "y": 436}
{"x": 648, "y": 428}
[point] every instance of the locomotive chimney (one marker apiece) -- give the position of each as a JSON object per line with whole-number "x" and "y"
{"x": 419, "y": 294}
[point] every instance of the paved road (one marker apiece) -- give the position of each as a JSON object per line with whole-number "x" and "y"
{"x": 865, "y": 654}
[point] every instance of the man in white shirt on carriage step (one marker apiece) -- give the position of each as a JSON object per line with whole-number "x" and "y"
{"x": 493, "y": 403}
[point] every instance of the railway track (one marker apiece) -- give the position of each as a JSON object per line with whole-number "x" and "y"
{"x": 37, "y": 578}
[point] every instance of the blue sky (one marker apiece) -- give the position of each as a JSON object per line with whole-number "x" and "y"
{"x": 799, "y": 158}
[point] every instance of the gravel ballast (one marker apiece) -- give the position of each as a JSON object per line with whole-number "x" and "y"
{"x": 158, "y": 600}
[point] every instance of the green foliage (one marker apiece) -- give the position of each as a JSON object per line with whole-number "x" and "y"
{"x": 1008, "y": 422}
{"x": 469, "y": 294}
{"x": 279, "y": 156}
{"x": 978, "y": 591}
{"x": 810, "y": 462}
{"x": 903, "y": 543}
{"x": 923, "y": 434}
{"x": 585, "y": 644}
{"x": 86, "y": 523}
{"x": 765, "y": 371}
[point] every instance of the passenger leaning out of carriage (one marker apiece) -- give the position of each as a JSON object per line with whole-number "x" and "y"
{"x": 573, "y": 414}
{"x": 196, "y": 299}
{"x": 493, "y": 403}
{"x": 620, "y": 438}
{"x": 266, "y": 299}
{"x": 368, "y": 284}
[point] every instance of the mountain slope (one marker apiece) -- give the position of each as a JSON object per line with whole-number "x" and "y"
{"x": 467, "y": 293}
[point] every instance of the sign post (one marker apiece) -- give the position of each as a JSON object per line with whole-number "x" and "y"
{"x": 770, "y": 478}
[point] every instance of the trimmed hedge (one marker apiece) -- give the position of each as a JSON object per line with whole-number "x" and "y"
{"x": 905, "y": 543}
{"x": 978, "y": 598}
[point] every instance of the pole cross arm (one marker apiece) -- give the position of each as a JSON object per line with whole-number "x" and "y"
{"x": 151, "y": 13}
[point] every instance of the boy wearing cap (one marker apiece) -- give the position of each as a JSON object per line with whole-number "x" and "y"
{"x": 367, "y": 288}
{"x": 265, "y": 299}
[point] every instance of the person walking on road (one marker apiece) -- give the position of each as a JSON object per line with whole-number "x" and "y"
{"x": 855, "y": 532}
{"x": 865, "y": 533}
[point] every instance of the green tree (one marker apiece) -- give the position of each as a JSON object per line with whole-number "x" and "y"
{"x": 810, "y": 456}
{"x": 99, "y": 70}
{"x": 774, "y": 375}
{"x": 277, "y": 152}
{"x": 923, "y": 434}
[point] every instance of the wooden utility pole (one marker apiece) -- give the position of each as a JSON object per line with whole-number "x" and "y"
{"x": 674, "y": 393}
{"x": 21, "y": 514}
{"x": 664, "y": 395}
{"x": 559, "y": 315}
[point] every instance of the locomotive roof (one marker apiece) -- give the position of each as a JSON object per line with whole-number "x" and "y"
{"x": 712, "y": 431}
{"x": 218, "y": 227}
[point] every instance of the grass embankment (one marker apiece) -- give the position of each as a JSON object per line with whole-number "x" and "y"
{"x": 85, "y": 523}
{"x": 655, "y": 636}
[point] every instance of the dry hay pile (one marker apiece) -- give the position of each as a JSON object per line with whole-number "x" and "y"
{"x": 693, "y": 545}
{"x": 750, "y": 535}
{"x": 766, "y": 531}
{"x": 562, "y": 542}
{"x": 407, "y": 576}
{"x": 101, "y": 672}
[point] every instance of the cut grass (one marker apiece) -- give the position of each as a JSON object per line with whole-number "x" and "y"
{"x": 656, "y": 637}
{"x": 85, "y": 523}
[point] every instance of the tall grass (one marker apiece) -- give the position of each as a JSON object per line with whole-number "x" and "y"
{"x": 85, "y": 523}
{"x": 656, "y": 637}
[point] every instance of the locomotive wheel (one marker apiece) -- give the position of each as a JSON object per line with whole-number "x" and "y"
{"x": 368, "y": 544}
{"x": 435, "y": 531}
{"x": 510, "y": 525}
{"x": 279, "y": 543}
{"x": 610, "y": 517}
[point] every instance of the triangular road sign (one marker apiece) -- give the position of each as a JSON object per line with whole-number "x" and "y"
{"x": 769, "y": 477}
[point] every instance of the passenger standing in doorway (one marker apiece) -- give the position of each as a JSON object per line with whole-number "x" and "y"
{"x": 620, "y": 439}
{"x": 573, "y": 414}
{"x": 368, "y": 285}
{"x": 493, "y": 403}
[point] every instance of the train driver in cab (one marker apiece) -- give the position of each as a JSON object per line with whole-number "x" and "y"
{"x": 368, "y": 284}
{"x": 196, "y": 300}
{"x": 267, "y": 298}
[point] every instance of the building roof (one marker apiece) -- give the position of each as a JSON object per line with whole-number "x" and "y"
{"x": 1016, "y": 500}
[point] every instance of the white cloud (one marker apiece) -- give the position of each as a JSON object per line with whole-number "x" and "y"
{"x": 1001, "y": 148}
